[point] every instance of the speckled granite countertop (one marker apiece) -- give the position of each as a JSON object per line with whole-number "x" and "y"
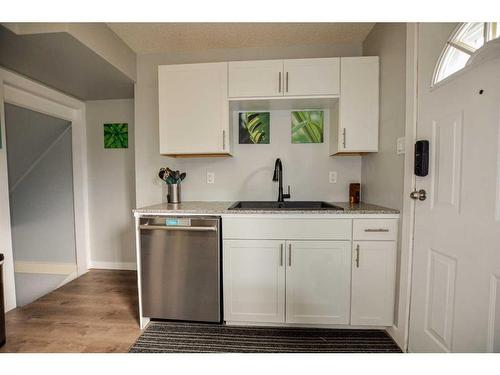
{"x": 221, "y": 208}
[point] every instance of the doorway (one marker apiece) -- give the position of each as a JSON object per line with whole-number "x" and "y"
{"x": 455, "y": 287}
{"x": 40, "y": 171}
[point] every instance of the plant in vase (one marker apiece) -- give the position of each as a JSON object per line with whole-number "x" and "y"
{"x": 173, "y": 180}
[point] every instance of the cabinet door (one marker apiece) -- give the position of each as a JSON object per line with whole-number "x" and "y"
{"x": 312, "y": 76}
{"x": 318, "y": 282}
{"x": 254, "y": 281}
{"x": 193, "y": 109}
{"x": 359, "y": 101}
{"x": 256, "y": 78}
{"x": 373, "y": 283}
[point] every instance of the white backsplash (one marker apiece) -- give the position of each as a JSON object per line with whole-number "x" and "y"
{"x": 248, "y": 174}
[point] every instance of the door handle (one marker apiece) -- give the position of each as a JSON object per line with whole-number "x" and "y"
{"x": 172, "y": 228}
{"x": 286, "y": 81}
{"x": 223, "y": 139}
{"x": 279, "y": 82}
{"x": 421, "y": 195}
{"x": 357, "y": 256}
{"x": 343, "y": 137}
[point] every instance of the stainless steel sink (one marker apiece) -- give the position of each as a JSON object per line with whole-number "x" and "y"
{"x": 290, "y": 205}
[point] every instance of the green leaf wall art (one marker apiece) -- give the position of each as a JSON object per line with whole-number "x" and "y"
{"x": 254, "y": 127}
{"x": 307, "y": 126}
{"x": 116, "y": 135}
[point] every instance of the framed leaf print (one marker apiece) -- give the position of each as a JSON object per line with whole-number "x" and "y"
{"x": 307, "y": 126}
{"x": 116, "y": 135}
{"x": 254, "y": 127}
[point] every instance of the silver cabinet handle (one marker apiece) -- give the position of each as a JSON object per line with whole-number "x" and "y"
{"x": 279, "y": 82}
{"x": 286, "y": 80}
{"x": 343, "y": 137}
{"x": 223, "y": 139}
{"x": 377, "y": 230}
{"x": 289, "y": 255}
{"x": 187, "y": 229}
{"x": 357, "y": 256}
{"x": 281, "y": 255}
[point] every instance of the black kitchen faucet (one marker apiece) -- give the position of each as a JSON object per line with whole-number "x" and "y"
{"x": 278, "y": 176}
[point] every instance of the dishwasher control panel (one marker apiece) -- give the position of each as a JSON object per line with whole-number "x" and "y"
{"x": 178, "y": 221}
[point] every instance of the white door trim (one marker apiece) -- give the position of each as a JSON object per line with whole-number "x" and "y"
{"x": 20, "y": 91}
{"x": 399, "y": 331}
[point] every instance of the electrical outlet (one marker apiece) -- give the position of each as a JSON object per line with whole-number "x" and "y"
{"x": 332, "y": 177}
{"x": 400, "y": 146}
{"x": 210, "y": 178}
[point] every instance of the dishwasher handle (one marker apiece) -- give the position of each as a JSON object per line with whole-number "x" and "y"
{"x": 186, "y": 229}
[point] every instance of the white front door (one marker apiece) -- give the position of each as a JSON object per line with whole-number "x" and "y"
{"x": 455, "y": 297}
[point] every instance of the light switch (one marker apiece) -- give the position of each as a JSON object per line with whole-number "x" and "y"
{"x": 210, "y": 177}
{"x": 400, "y": 145}
{"x": 332, "y": 177}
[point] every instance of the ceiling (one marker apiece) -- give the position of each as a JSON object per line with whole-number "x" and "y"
{"x": 61, "y": 61}
{"x": 182, "y": 37}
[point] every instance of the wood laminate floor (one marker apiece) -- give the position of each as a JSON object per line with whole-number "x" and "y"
{"x": 98, "y": 312}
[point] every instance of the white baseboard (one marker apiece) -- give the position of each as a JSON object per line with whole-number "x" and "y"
{"x": 51, "y": 268}
{"x": 126, "y": 266}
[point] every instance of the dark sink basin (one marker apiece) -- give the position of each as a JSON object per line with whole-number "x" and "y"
{"x": 289, "y": 205}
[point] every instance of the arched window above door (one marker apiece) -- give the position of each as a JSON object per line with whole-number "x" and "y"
{"x": 463, "y": 43}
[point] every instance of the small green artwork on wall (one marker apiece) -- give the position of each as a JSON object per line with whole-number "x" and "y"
{"x": 116, "y": 135}
{"x": 307, "y": 127}
{"x": 254, "y": 128}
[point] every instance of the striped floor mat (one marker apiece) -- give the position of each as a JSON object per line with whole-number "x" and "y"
{"x": 168, "y": 337}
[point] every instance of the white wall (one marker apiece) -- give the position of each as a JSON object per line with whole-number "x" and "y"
{"x": 382, "y": 172}
{"x": 248, "y": 174}
{"x": 234, "y": 179}
{"x": 111, "y": 186}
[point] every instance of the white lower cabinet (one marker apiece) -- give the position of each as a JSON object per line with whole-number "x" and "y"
{"x": 318, "y": 282}
{"x": 373, "y": 283}
{"x": 315, "y": 271}
{"x": 254, "y": 281}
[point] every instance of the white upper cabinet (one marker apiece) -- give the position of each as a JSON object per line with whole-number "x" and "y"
{"x": 193, "y": 109}
{"x": 256, "y": 78}
{"x": 278, "y": 78}
{"x": 305, "y": 77}
{"x": 356, "y": 118}
{"x": 194, "y": 100}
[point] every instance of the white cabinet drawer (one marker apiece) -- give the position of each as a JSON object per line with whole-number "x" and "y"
{"x": 375, "y": 229}
{"x": 286, "y": 228}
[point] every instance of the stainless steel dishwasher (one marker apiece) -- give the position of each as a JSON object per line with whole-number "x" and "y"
{"x": 181, "y": 268}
